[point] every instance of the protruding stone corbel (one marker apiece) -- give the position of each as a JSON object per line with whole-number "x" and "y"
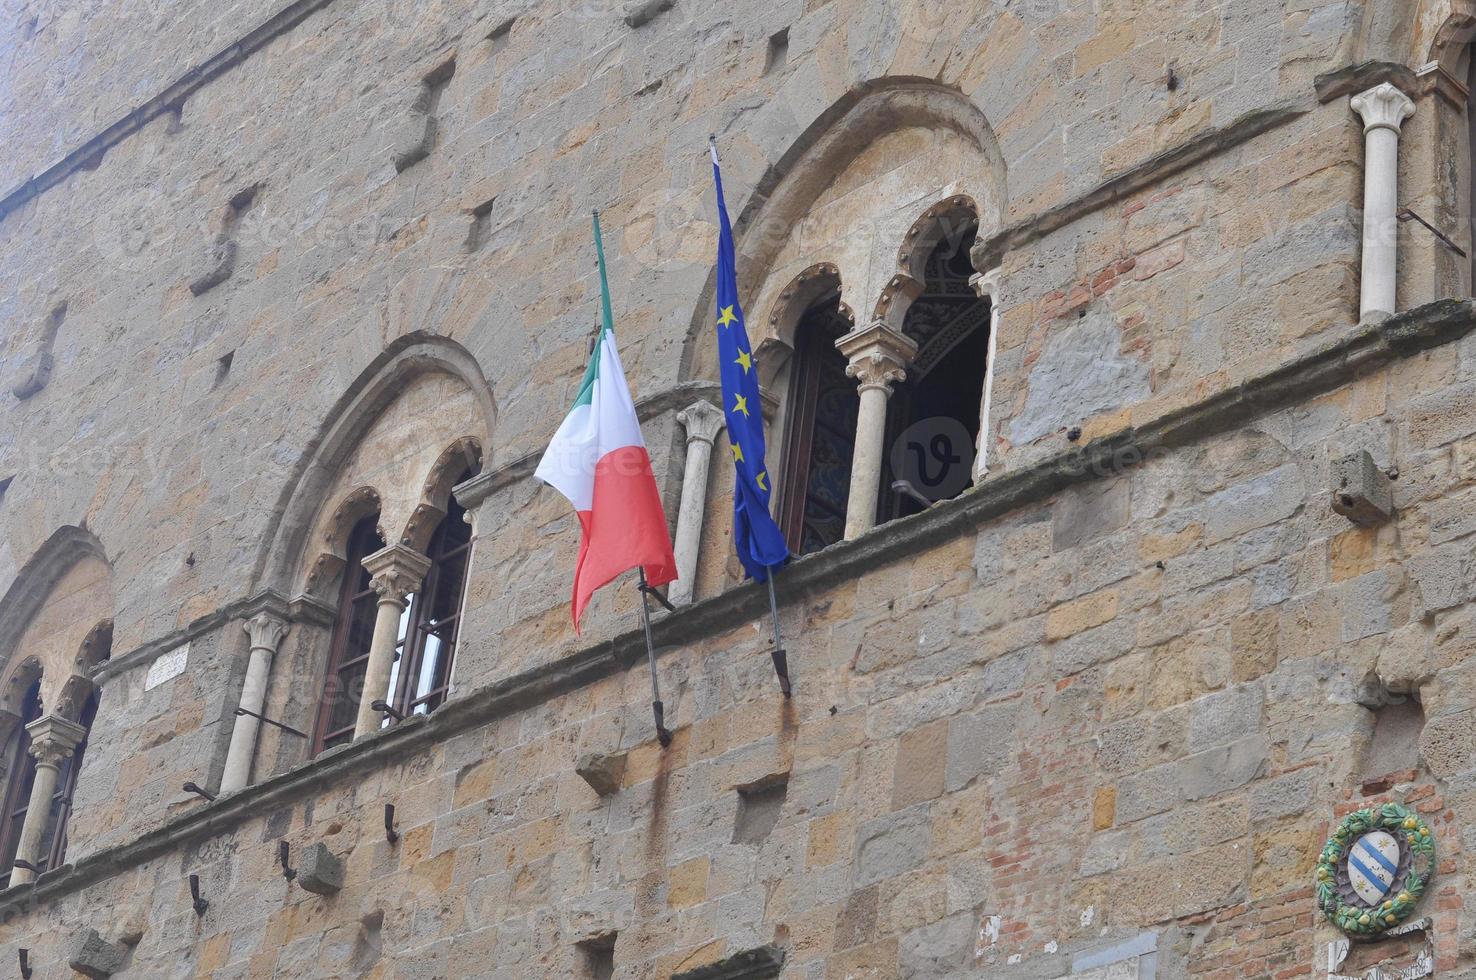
{"x": 603, "y": 771}
{"x": 89, "y": 954}
{"x": 1362, "y": 492}
{"x": 703, "y": 421}
{"x": 320, "y": 871}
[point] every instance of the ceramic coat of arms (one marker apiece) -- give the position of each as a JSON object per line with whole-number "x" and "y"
{"x": 1374, "y": 869}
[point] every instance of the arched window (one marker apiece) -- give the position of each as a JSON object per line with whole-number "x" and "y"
{"x": 22, "y": 769}
{"x": 933, "y": 417}
{"x": 421, "y": 675}
{"x": 422, "y": 671}
{"x": 348, "y": 656}
{"x": 821, "y": 431}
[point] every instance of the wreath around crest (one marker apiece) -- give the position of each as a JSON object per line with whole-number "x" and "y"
{"x": 1335, "y": 894}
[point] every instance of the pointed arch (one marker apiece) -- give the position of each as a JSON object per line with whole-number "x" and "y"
{"x": 56, "y": 619}
{"x": 790, "y": 187}
{"x": 407, "y": 360}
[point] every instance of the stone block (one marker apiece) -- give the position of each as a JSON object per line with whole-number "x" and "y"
{"x": 979, "y": 744}
{"x": 1090, "y": 512}
{"x": 319, "y": 871}
{"x": 91, "y": 955}
{"x": 1256, "y": 502}
{"x": 603, "y": 771}
{"x": 1441, "y": 580}
{"x": 1224, "y": 717}
{"x": 1362, "y": 492}
{"x": 892, "y": 845}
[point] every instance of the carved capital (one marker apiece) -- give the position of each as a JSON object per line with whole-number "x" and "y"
{"x": 266, "y": 631}
{"x": 703, "y": 421}
{"x": 1382, "y": 107}
{"x": 397, "y": 571}
{"x": 986, "y": 284}
{"x": 54, "y": 739}
{"x": 878, "y": 355}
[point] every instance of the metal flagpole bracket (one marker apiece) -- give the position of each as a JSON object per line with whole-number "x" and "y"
{"x": 196, "y": 900}
{"x": 390, "y": 834}
{"x": 284, "y": 857}
{"x": 657, "y": 708}
{"x": 781, "y": 657}
{"x": 275, "y": 724}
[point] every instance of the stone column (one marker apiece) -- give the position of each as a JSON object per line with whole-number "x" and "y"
{"x": 986, "y": 285}
{"x": 398, "y": 571}
{"x": 703, "y": 421}
{"x": 879, "y": 357}
{"x": 266, "y": 631}
{"x": 53, "y": 740}
{"x": 1383, "y": 109}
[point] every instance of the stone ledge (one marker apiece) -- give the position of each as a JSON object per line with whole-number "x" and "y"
{"x": 1371, "y": 346}
{"x": 1352, "y": 79}
{"x": 1159, "y": 167}
{"x": 90, "y": 153}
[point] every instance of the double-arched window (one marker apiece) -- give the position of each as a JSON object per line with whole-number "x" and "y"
{"x": 426, "y": 646}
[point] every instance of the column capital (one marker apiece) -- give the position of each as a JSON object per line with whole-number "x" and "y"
{"x": 703, "y": 421}
{"x": 986, "y": 284}
{"x": 878, "y": 354}
{"x": 397, "y": 571}
{"x": 1382, "y": 107}
{"x": 266, "y": 630}
{"x": 54, "y": 739}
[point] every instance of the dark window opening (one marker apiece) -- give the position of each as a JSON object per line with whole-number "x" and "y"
{"x": 821, "y": 432}
{"x": 348, "y": 657}
{"x": 599, "y": 957}
{"x": 933, "y": 416}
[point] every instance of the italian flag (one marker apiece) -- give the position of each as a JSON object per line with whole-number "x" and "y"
{"x": 598, "y": 460}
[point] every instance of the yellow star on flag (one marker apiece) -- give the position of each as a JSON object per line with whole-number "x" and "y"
{"x": 728, "y": 317}
{"x": 742, "y": 405}
{"x": 760, "y": 481}
{"x": 737, "y": 453}
{"x": 745, "y": 360}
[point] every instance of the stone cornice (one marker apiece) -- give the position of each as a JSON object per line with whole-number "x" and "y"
{"x": 1159, "y": 167}
{"x": 1352, "y": 79}
{"x": 90, "y": 153}
{"x": 1367, "y": 348}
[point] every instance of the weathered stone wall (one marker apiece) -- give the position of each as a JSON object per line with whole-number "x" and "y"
{"x": 1114, "y": 721}
{"x": 1087, "y": 720}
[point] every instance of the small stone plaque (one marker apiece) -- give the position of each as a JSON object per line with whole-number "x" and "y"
{"x": 167, "y": 667}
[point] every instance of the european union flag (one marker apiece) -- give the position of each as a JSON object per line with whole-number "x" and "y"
{"x": 761, "y": 546}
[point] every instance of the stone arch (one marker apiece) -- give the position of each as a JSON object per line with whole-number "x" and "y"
{"x": 785, "y": 313}
{"x": 1450, "y": 48}
{"x": 817, "y": 164}
{"x": 56, "y": 620}
{"x": 435, "y": 498}
{"x": 945, "y": 220}
{"x": 307, "y": 529}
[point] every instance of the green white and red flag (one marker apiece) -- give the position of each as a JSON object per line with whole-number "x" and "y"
{"x": 598, "y": 460}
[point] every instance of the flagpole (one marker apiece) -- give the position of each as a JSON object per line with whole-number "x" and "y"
{"x": 657, "y": 708}
{"x": 781, "y": 658}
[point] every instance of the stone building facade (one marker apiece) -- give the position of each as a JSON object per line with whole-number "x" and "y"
{"x": 297, "y": 291}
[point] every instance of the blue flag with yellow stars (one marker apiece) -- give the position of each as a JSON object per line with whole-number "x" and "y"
{"x": 761, "y": 545}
